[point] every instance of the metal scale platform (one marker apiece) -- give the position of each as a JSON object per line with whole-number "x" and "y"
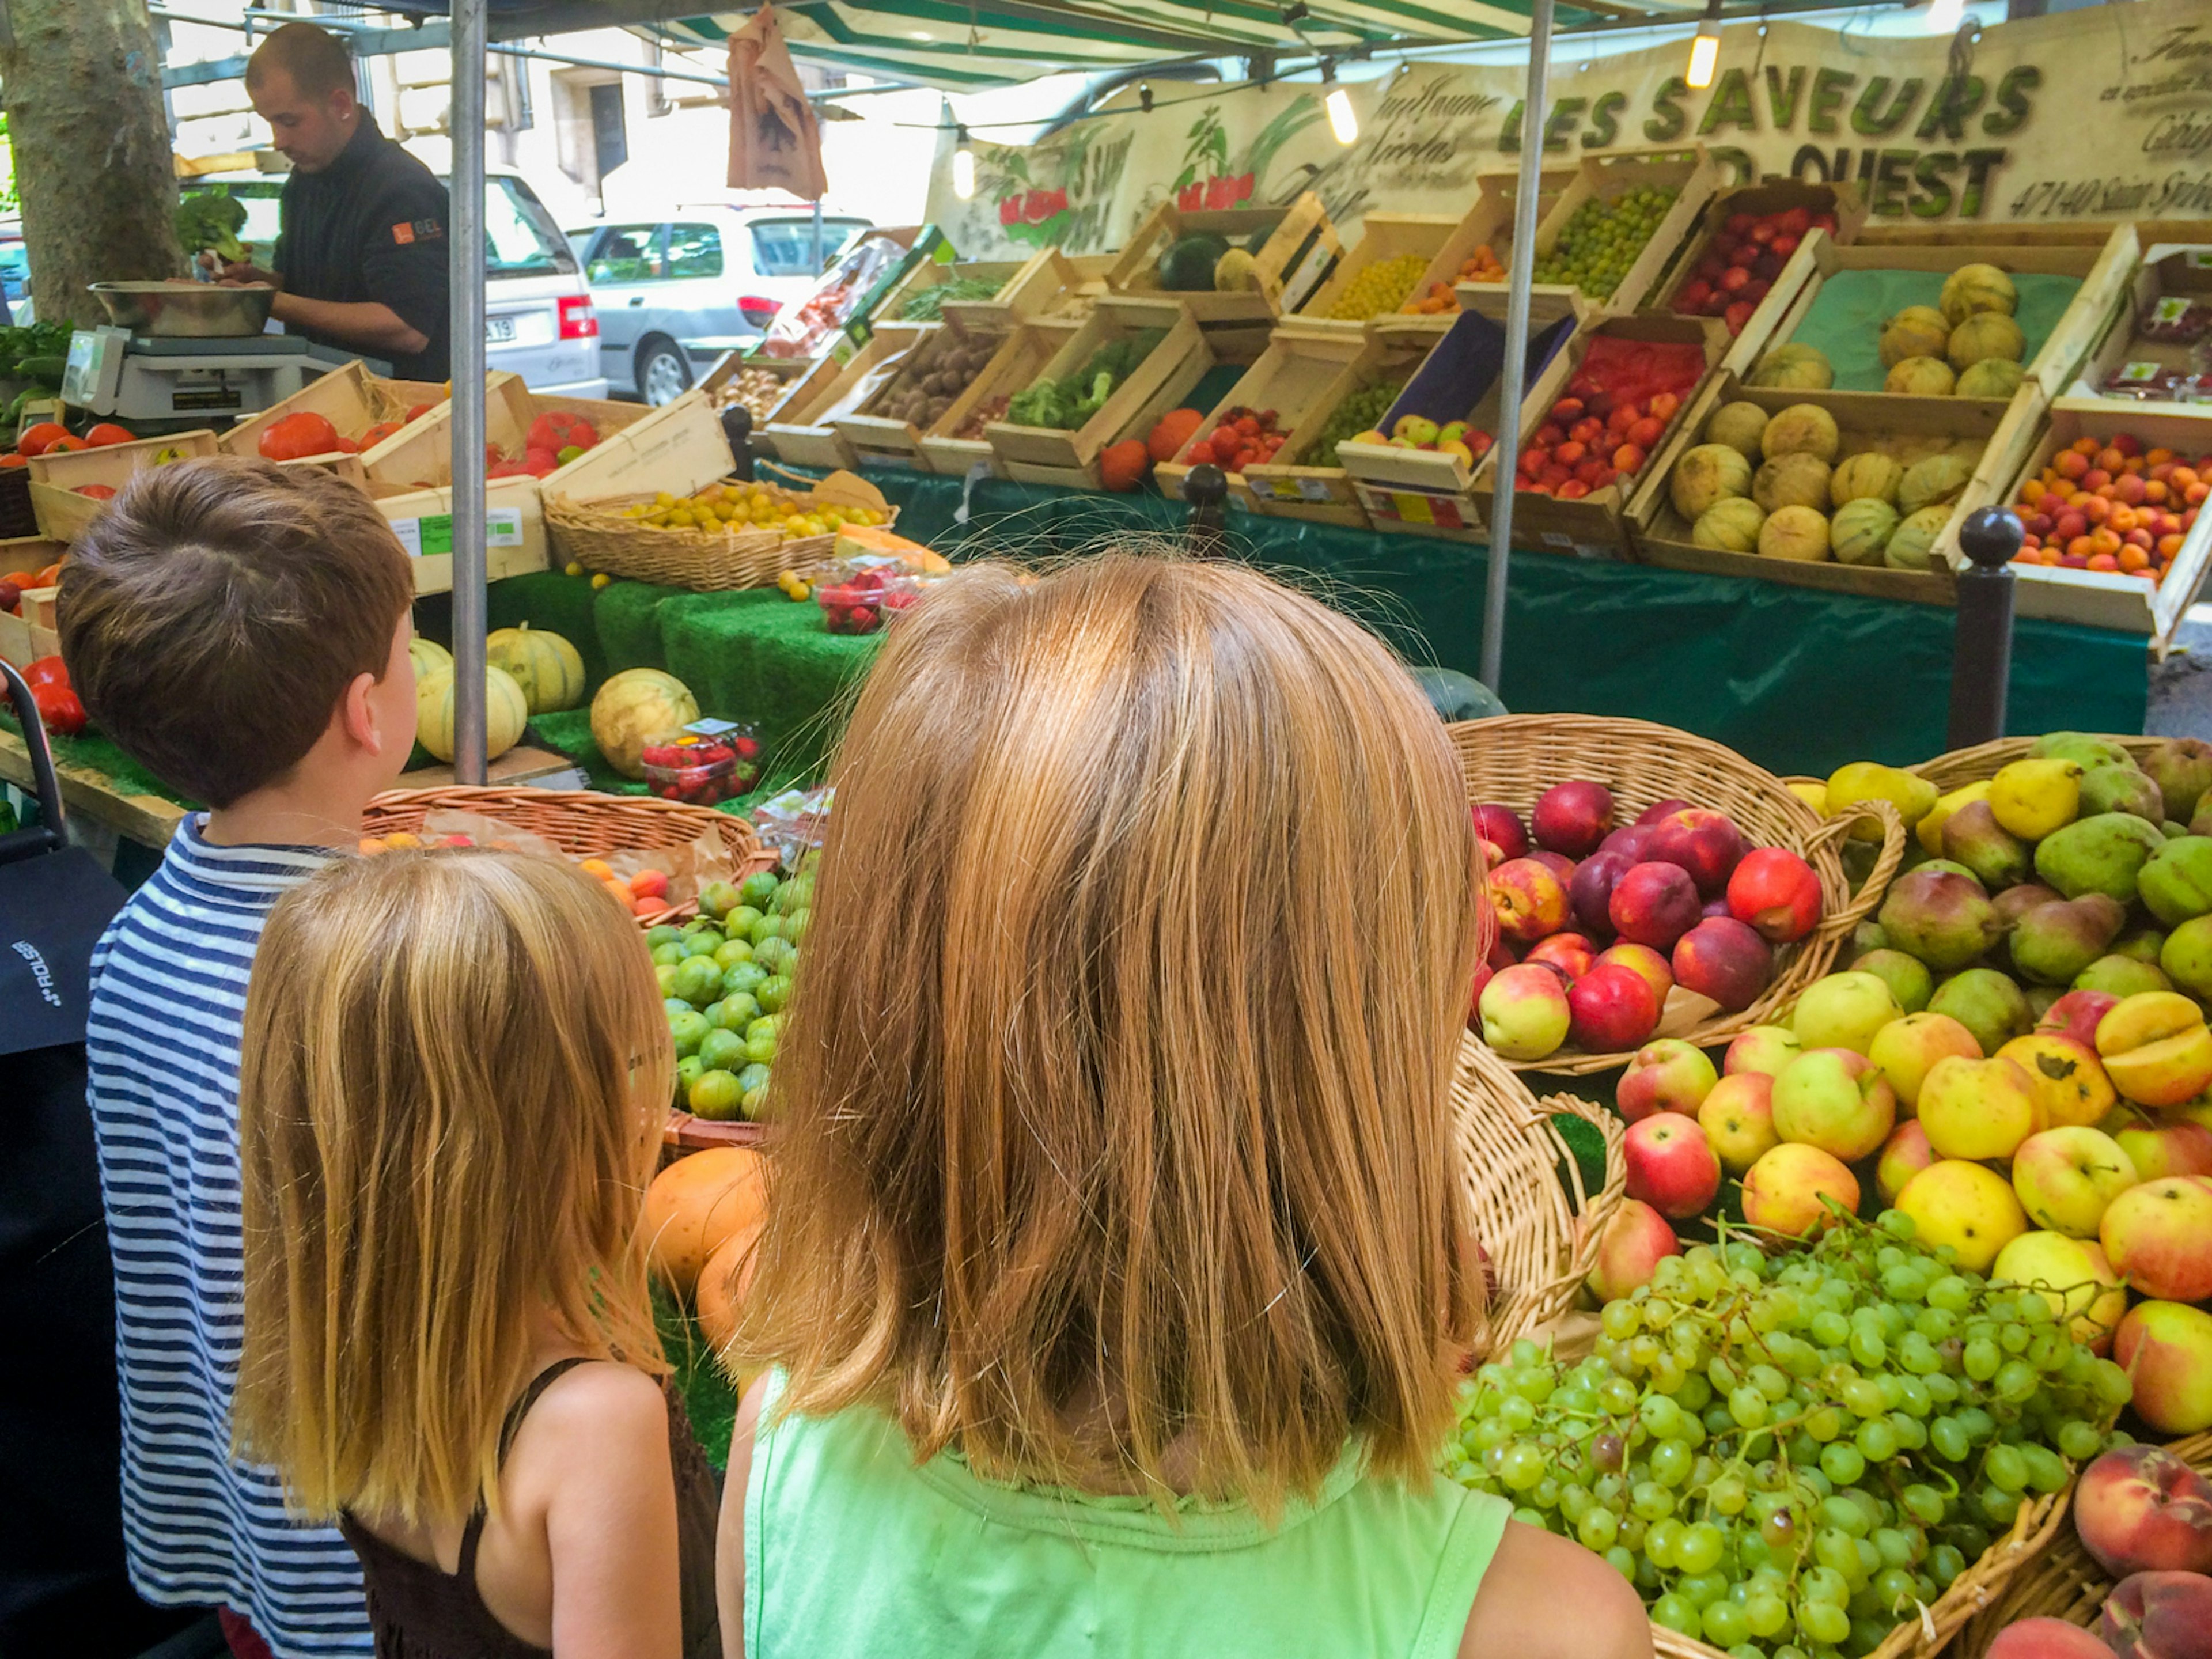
{"x": 145, "y": 381}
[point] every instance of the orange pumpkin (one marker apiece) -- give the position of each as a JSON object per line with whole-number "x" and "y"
{"x": 723, "y": 1283}
{"x": 695, "y": 1205}
{"x": 1176, "y": 427}
{"x": 1121, "y": 467}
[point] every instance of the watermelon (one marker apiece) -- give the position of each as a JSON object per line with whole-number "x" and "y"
{"x": 1187, "y": 265}
{"x": 1861, "y": 530}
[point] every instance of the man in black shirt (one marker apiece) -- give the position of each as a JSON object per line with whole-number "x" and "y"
{"x": 361, "y": 263}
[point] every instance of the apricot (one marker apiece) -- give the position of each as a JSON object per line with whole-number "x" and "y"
{"x": 2079, "y": 547}
{"x": 2168, "y": 546}
{"x": 2087, "y": 446}
{"x": 2132, "y": 559}
{"x": 2196, "y": 493}
{"x": 2073, "y": 463}
{"x": 2103, "y": 561}
{"x": 2096, "y": 479}
{"x": 2031, "y": 493}
{"x": 2154, "y": 493}
{"x": 2070, "y": 524}
{"x": 2111, "y": 459}
{"x": 2096, "y": 510}
{"x": 2130, "y": 489}
{"x": 2127, "y": 443}
{"x": 2138, "y": 537}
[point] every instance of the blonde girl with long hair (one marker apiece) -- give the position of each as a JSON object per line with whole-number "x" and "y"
{"x": 1118, "y": 1274}
{"x": 456, "y": 1073}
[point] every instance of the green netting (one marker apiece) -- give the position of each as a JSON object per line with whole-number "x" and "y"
{"x": 1847, "y": 314}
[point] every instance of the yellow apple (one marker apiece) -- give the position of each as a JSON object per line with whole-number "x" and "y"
{"x": 2074, "y": 1278}
{"x": 1975, "y": 1109}
{"x": 1738, "y": 1118}
{"x": 1966, "y": 1206}
{"x": 1906, "y": 1049}
{"x": 2067, "y": 1077}
{"x": 2156, "y": 1049}
{"x": 2064, "y": 1178}
{"x": 1788, "y": 1192}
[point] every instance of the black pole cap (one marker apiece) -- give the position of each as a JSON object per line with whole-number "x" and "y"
{"x": 1206, "y": 485}
{"x": 1990, "y": 537}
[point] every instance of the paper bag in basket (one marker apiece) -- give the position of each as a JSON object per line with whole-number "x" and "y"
{"x": 774, "y": 143}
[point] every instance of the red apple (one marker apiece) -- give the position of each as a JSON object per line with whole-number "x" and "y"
{"x": 1629, "y": 839}
{"x": 1903, "y": 1155}
{"x": 1570, "y": 955}
{"x": 1642, "y": 961}
{"x": 2165, "y": 1348}
{"x": 1635, "y": 1241}
{"x": 1765, "y": 1049}
{"x": 1668, "y": 1075}
{"x": 1660, "y": 809}
{"x": 1530, "y": 898}
{"x": 1613, "y": 1007}
{"x": 2140, "y": 1509}
{"x": 1775, "y": 892}
{"x": 1706, "y": 844}
{"x": 1723, "y": 959}
{"x": 2046, "y": 1638}
{"x": 1501, "y": 827}
{"x": 1654, "y": 904}
{"x": 1573, "y": 817}
{"x": 2158, "y": 1239}
{"x": 1671, "y": 1165}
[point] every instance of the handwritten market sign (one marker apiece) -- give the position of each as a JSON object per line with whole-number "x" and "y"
{"x": 2100, "y": 114}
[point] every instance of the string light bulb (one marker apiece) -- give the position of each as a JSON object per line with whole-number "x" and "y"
{"x": 1343, "y": 119}
{"x": 1945, "y": 15}
{"x": 963, "y": 167}
{"x": 1705, "y": 47}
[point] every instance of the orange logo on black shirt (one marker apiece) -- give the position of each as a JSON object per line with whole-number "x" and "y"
{"x": 428, "y": 230}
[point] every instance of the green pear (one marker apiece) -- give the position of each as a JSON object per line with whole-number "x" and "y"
{"x": 1907, "y": 977}
{"x": 2182, "y": 770}
{"x": 2121, "y": 976}
{"x": 2080, "y": 746}
{"x": 1987, "y": 1003}
{"x": 2176, "y": 884}
{"x": 2187, "y": 956}
{"x": 2121, "y": 788}
{"x": 1973, "y": 837}
{"x": 2054, "y": 942}
{"x": 2100, "y": 854}
{"x": 1942, "y": 918}
{"x": 2139, "y": 944}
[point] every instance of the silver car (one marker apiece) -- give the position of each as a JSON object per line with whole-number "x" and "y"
{"x": 675, "y": 293}
{"x": 539, "y": 321}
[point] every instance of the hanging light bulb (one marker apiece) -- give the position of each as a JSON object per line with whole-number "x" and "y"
{"x": 1343, "y": 119}
{"x": 963, "y": 167}
{"x": 1705, "y": 47}
{"x": 1944, "y": 16}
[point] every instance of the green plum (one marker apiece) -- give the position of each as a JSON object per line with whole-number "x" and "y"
{"x": 757, "y": 889}
{"x": 689, "y": 1029}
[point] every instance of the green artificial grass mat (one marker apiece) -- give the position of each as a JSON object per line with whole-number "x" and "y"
{"x": 1847, "y": 314}
{"x": 92, "y": 752}
{"x": 708, "y": 1399}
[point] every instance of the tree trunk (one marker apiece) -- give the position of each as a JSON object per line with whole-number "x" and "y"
{"x": 83, "y": 89}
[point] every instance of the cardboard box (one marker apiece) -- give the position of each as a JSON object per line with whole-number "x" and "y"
{"x": 1028, "y": 348}
{"x": 1051, "y": 455}
{"x": 56, "y": 478}
{"x": 1300, "y": 252}
{"x": 2164, "y": 291}
{"x": 801, "y": 431}
{"x": 1381, "y": 236}
{"x": 878, "y": 438}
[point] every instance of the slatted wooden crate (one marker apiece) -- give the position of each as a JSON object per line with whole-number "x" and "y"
{"x": 1299, "y": 251}
{"x": 1488, "y": 223}
{"x": 63, "y": 513}
{"x": 802, "y": 431}
{"x": 881, "y": 439}
{"x": 1028, "y": 348}
{"x": 1035, "y": 454}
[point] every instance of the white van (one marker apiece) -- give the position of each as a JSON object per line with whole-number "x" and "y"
{"x": 539, "y": 320}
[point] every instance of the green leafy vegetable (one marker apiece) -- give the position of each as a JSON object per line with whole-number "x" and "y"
{"x": 927, "y": 305}
{"x": 212, "y": 220}
{"x": 33, "y": 341}
{"x": 1068, "y": 403}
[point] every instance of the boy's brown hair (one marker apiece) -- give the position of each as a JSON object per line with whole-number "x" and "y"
{"x": 213, "y": 615}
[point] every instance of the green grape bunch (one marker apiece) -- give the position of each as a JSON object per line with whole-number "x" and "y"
{"x": 1362, "y": 411}
{"x": 1790, "y": 1454}
{"x": 1602, "y": 239}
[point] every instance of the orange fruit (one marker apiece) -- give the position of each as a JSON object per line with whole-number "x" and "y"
{"x": 49, "y": 576}
{"x": 599, "y": 868}
{"x": 647, "y": 906}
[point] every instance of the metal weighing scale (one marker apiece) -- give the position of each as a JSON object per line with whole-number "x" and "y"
{"x": 145, "y": 381}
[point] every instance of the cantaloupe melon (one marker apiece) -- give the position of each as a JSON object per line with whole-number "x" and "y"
{"x": 696, "y": 1205}
{"x": 1931, "y": 482}
{"x": 634, "y": 708}
{"x": 1795, "y": 532}
{"x": 1920, "y": 377}
{"x": 1706, "y": 474}
{"x": 1732, "y": 525}
{"x": 1974, "y": 288}
{"x": 1992, "y": 377}
{"x": 1911, "y": 545}
{"x": 1985, "y": 334}
{"x": 1801, "y": 429}
{"x": 1791, "y": 481}
{"x": 550, "y": 670}
{"x": 1739, "y": 425}
{"x": 1915, "y": 331}
{"x": 428, "y": 656}
{"x": 1861, "y": 529}
{"x": 505, "y": 712}
{"x": 1794, "y": 368}
{"x": 1869, "y": 474}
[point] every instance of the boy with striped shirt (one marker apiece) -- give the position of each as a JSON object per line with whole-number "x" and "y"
{"x": 241, "y": 630}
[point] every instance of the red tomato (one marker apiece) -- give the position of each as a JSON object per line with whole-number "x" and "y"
{"x": 11, "y": 598}
{"x": 108, "y": 433}
{"x": 557, "y": 429}
{"x": 377, "y": 434}
{"x": 65, "y": 443}
{"x": 15, "y": 460}
{"x": 296, "y": 436}
{"x": 47, "y": 671}
{"x": 60, "y": 708}
{"x": 38, "y": 439}
{"x": 418, "y": 411}
{"x": 97, "y": 492}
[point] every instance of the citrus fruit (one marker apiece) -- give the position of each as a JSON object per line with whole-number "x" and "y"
{"x": 766, "y": 929}
{"x": 752, "y": 1078}
{"x": 702, "y": 944}
{"x": 664, "y": 973}
{"x": 795, "y": 924}
{"x": 761, "y": 1049}
{"x": 688, "y": 1070}
{"x": 775, "y": 954}
{"x": 665, "y": 933}
{"x": 718, "y": 898}
{"x": 738, "y": 923}
{"x": 720, "y": 1050}
{"x": 668, "y": 955}
{"x": 698, "y": 981}
{"x": 715, "y": 1094}
{"x": 738, "y": 1010}
{"x": 689, "y": 1029}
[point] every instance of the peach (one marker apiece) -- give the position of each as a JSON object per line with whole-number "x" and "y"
{"x": 2077, "y": 1014}
{"x": 1501, "y": 827}
{"x": 1777, "y": 892}
{"x": 1669, "y": 1075}
{"x": 1558, "y": 863}
{"x": 1636, "y": 1239}
{"x": 2166, "y": 1351}
{"x": 1905, "y": 1049}
{"x": 1836, "y": 1100}
{"x": 2159, "y": 1236}
{"x": 2070, "y": 1084}
{"x": 1644, "y": 962}
{"x": 1570, "y": 955}
{"x": 2074, "y": 1278}
{"x": 1590, "y": 890}
{"x": 1613, "y": 1009}
{"x": 1573, "y": 817}
{"x": 2159, "y": 1150}
{"x": 1978, "y": 1108}
{"x": 1765, "y": 1049}
{"x": 1530, "y": 900}
{"x": 1723, "y": 958}
{"x": 2156, "y": 1049}
{"x": 1793, "y": 1189}
{"x": 1671, "y": 1165}
{"x": 1525, "y": 1013}
{"x": 1705, "y": 844}
{"x": 1903, "y": 1155}
{"x": 2046, "y": 1638}
{"x": 1965, "y": 1206}
{"x": 1738, "y": 1119}
{"x": 2159, "y": 1615}
{"x": 1655, "y": 903}
{"x": 2140, "y": 1509}
{"x": 2067, "y": 1177}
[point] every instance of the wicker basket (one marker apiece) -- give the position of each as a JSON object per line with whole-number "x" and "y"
{"x": 1980, "y": 1587}
{"x": 596, "y": 536}
{"x": 2060, "y": 1581}
{"x": 1514, "y": 758}
{"x": 1538, "y": 1227}
{"x": 1961, "y": 766}
{"x": 581, "y": 822}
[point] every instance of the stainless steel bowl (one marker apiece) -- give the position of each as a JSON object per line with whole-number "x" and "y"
{"x": 186, "y": 310}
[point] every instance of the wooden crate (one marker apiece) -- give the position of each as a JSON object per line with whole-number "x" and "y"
{"x": 28, "y": 555}
{"x": 800, "y": 431}
{"x": 1694, "y": 177}
{"x": 1381, "y": 236}
{"x": 2104, "y": 599}
{"x": 1027, "y": 288}
{"x": 1845, "y": 201}
{"x": 878, "y": 438}
{"x": 1036, "y": 454}
{"x": 1594, "y": 525}
{"x": 1488, "y": 223}
{"x": 2175, "y": 280}
{"x": 351, "y": 399}
{"x": 1301, "y": 251}
{"x": 26, "y": 637}
{"x": 1663, "y": 538}
{"x": 1028, "y": 348}
{"x": 1313, "y": 485}
{"x": 2104, "y": 269}
{"x": 1300, "y": 368}
{"x": 55, "y": 479}
{"x": 2092, "y": 233}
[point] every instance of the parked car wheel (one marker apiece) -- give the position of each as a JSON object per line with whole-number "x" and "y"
{"x": 663, "y": 376}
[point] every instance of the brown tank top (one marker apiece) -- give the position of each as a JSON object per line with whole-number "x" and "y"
{"x": 419, "y": 1612}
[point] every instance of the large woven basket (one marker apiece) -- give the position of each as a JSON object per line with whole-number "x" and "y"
{"x": 581, "y": 822}
{"x": 1961, "y": 766}
{"x": 1511, "y": 760}
{"x": 1537, "y": 1221}
{"x": 2061, "y": 1580}
{"x": 1980, "y": 1587}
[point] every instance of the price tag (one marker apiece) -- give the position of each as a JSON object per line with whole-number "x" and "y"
{"x": 712, "y": 728}
{"x": 1313, "y": 489}
{"x": 2169, "y": 308}
{"x": 432, "y": 535}
{"x": 2133, "y": 373}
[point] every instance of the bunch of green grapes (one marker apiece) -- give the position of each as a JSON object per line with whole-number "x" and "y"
{"x": 1785, "y": 1452}
{"x": 1361, "y": 411}
{"x": 1602, "y": 239}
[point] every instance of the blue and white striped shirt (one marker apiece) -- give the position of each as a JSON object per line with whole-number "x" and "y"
{"x": 168, "y": 1008}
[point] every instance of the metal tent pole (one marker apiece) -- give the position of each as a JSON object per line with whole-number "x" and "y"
{"x": 1507, "y": 451}
{"x": 467, "y": 265}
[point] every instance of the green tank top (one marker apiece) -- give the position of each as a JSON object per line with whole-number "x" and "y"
{"x": 852, "y": 1552}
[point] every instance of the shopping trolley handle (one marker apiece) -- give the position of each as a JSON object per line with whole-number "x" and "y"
{"x": 51, "y": 833}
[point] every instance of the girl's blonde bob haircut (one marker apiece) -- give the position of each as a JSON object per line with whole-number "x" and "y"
{"x": 456, "y": 1073}
{"x": 1116, "y": 1147}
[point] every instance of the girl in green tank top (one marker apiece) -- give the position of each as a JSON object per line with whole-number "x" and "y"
{"x": 1118, "y": 1272}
